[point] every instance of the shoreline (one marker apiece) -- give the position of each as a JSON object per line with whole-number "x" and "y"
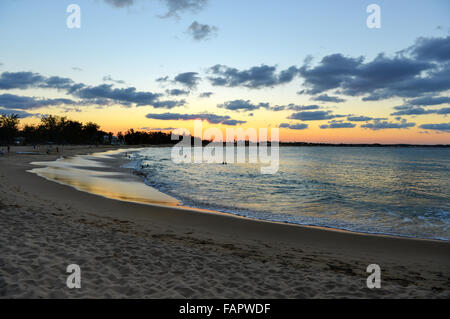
{"x": 330, "y": 253}
{"x": 183, "y": 207}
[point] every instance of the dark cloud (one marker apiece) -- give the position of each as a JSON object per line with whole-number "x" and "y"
{"x": 437, "y": 127}
{"x": 429, "y": 100}
{"x": 189, "y": 79}
{"x": 246, "y": 105}
{"x": 162, "y": 79}
{"x": 20, "y": 113}
{"x": 331, "y": 72}
{"x": 75, "y": 68}
{"x": 242, "y": 105}
{"x": 294, "y": 107}
{"x": 433, "y": 82}
{"x": 419, "y": 70}
{"x": 380, "y": 125}
{"x": 255, "y": 77}
{"x": 175, "y": 7}
{"x": 313, "y": 115}
{"x": 201, "y": 31}
{"x": 381, "y": 74}
{"x": 336, "y": 124}
{"x": 359, "y": 118}
{"x": 25, "y": 80}
{"x": 211, "y": 118}
{"x": 177, "y": 92}
{"x": 411, "y": 110}
{"x": 104, "y": 94}
{"x": 127, "y": 95}
{"x": 11, "y": 101}
{"x": 120, "y": 3}
{"x": 168, "y": 104}
{"x": 19, "y": 80}
{"x": 233, "y": 122}
{"x": 206, "y": 94}
{"x": 303, "y": 107}
{"x": 108, "y": 78}
{"x": 432, "y": 49}
{"x": 157, "y": 128}
{"x": 294, "y": 126}
{"x": 328, "y": 98}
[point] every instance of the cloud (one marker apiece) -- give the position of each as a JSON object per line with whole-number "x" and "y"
{"x": 431, "y": 49}
{"x": 162, "y": 79}
{"x": 335, "y": 124}
{"x": 445, "y": 127}
{"x": 168, "y": 104}
{"x": 75, "y": 68}
{"x": 328, "y": 98}
{"x": 20, "y": 113}
{"x": 174, "y": 7}
{"x": 19, "y": 80}
{"x": 177, "y": 6}
{"x": 157, "y": 128}
{"x": 294, "y": 107}
{"x": 359, "y": 118}
{"x": 201, "y": 31}
{"x": 256, "y": 77}
{"x": 380, "y": 125}
{"x": 11, "y": 101}
{"x": 331, "y": 72}
{"x": 233, "y": 122}
{"x": 429, "y": 100}
{"x": 303, "y": 107}
{"x": 205, "y": 94}
{"x": 25, "y": 80}
{"x": 108, "y": 78}
{"x": 294, "y": 126}
{"x": 242, "y": 105}
{"x": 313, "y": 115}
{"x": 411, "y": 110}
{"x": 105, "y": 94}
{"x": 177, "y": 92}
{"x": 189, "y": 79}
{"x": 120, "y": 3}
{"x": 247, "y": 105}
{"x": 211, "y": 118}
{"x": 126, "y": 96}
{"x": 421, "y": 69}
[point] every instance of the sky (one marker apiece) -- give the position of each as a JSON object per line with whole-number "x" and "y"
{"x": 312, "y": 68}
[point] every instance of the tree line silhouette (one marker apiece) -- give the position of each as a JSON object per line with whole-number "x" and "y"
{"x": 61, "y": 130}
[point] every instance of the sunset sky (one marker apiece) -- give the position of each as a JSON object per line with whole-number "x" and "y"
{"x": 313, "y": 68}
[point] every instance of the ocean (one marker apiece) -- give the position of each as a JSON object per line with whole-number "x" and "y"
{"x": 401, "y": 191}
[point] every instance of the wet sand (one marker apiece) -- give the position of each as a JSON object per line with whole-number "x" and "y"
{"x": 136, "y": 250}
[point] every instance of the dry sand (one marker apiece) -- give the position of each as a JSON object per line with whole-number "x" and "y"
{"x": 133, "y": 250}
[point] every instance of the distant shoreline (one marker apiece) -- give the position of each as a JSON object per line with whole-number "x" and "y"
{"x": 361, "y": 145}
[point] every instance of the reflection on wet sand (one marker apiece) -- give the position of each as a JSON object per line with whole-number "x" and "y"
{"x": 99, "y": 176}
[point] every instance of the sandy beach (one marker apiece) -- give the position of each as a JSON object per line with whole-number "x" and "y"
{"x": 131, "y": 250}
